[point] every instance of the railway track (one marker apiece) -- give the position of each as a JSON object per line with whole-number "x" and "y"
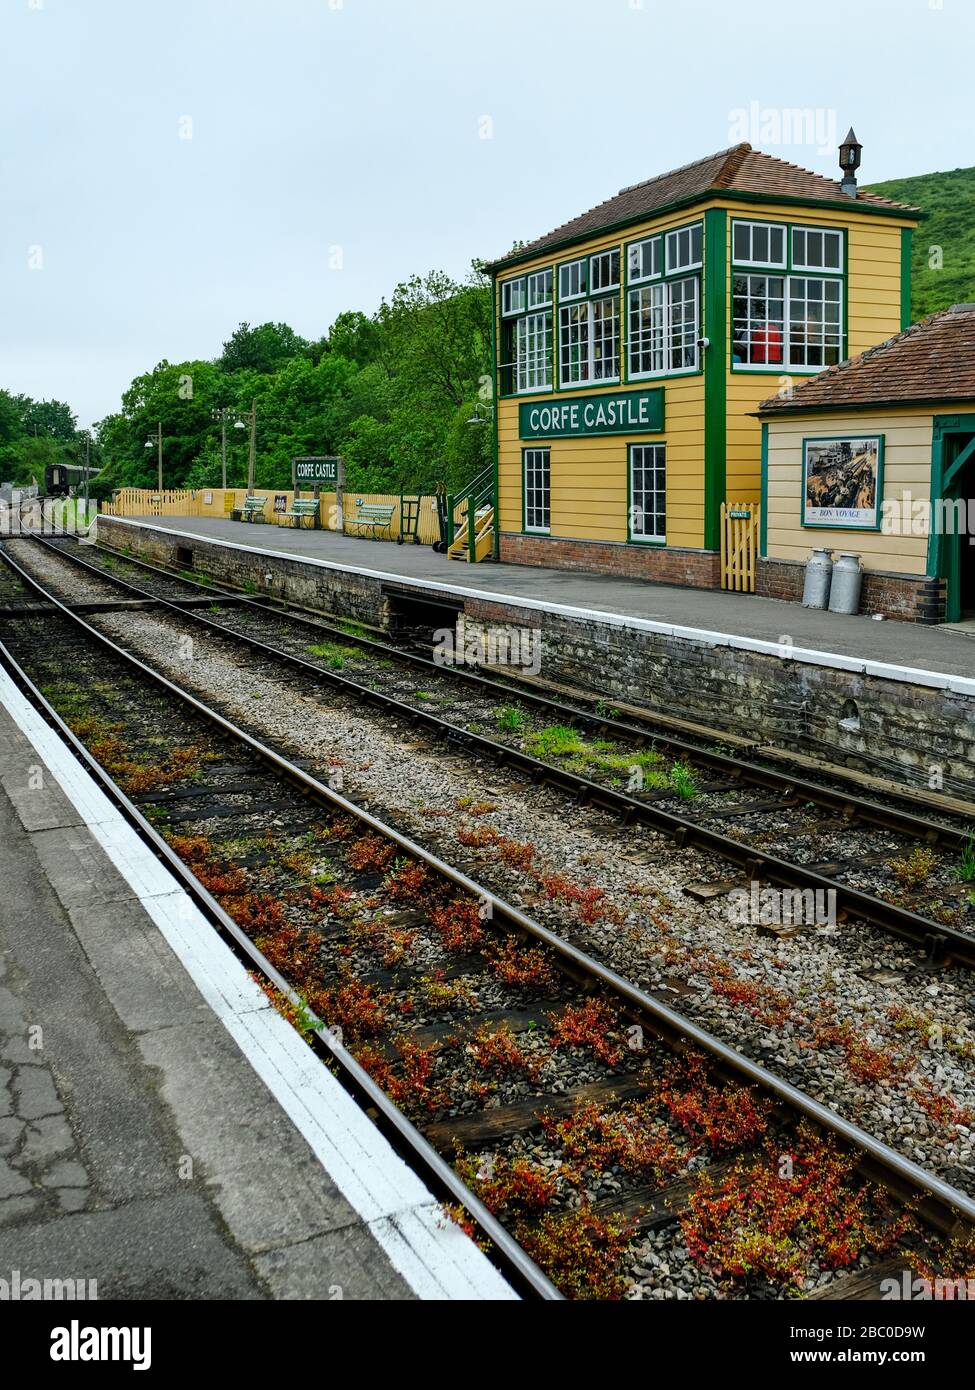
{"x": 777, "y": 828}
{"x": 565, "y": 1111}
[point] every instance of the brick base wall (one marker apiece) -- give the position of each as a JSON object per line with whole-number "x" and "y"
{"x": 907, "y": 597}
{"x": 700, "y": 569}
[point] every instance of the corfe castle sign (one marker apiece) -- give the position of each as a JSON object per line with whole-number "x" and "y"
{"x": 625, "y": 412}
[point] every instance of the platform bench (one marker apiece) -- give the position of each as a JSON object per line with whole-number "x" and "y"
{"x": 302, "y": 507}
{"x": 253, "y": 509}
{"x": 372, "y": 516}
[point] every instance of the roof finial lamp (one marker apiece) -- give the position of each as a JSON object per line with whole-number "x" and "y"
{"x": 849, "y": 163}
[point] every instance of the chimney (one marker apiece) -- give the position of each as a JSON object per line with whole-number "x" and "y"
{"x": 850, "y": 163}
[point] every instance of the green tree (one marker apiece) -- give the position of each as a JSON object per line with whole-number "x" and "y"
{"x": 261, "y": 349}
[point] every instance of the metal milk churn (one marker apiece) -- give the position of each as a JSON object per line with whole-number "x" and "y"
{"x": 815, "y": 590}
{"x": 844, "y": 596}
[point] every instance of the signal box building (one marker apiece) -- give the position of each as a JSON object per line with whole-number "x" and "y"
{"x": 634, "y": 344}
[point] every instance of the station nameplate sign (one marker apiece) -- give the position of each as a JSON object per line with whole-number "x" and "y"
{"x": 611, "y": 412}
{"x": 316, "y": 469}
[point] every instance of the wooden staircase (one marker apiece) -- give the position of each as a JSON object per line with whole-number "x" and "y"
{"x": 470, "y": 518}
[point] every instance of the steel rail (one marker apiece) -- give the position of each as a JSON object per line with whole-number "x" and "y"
{"x": 870, "y": 812}
{"x": 950, "y": 1203}
{"x": 427, "y": 1160}
{"x": 938, "y": 939}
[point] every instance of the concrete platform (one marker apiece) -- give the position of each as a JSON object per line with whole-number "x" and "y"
{"x": 163, "y": 1131}
{"x": 942, "y": 651}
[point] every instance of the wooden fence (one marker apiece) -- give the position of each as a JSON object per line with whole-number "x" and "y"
{"x": 740, "y": 522}
{"x": 139, "y": 501}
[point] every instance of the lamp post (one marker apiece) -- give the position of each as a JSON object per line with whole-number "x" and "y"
{"x": 158, "y": 442}
{"x": 249, "y": 418}
{"x": 223, "y": 413}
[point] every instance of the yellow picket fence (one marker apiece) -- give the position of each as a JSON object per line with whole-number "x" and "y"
{"x": 140, "y": 501}
{"x": 740, "y": 522}
{"x": 220, "y": 502}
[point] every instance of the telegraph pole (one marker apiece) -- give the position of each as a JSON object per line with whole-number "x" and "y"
{"x": 250, "y": 417}
{"x": 252, "y": 453}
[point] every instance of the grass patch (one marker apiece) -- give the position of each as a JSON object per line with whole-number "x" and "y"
{"x": 966, "y": 864}
{"x": 333, "y": 654}
{"x": 555, "y": 741}
{"x": 682, "y": 781}
{"x": 509, "y": 719}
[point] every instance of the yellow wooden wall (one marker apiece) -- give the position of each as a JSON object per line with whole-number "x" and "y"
{"x": 873, "y": 314}
{"x": 907, "y": 469}
{"x": 589, "y": 475}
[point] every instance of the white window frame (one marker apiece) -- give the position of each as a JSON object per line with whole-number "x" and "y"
{"x": 656, "y": 244}
{"x": 672, "y": 238}
{"x": 658, "y": 468}
{"x": 580, "y": 265}
{"x": 598, "y": 261}
{"x": 770, "y": 227}
{"x": 533, "y": 353}
{"x": 531, "y": 299}
{"x": 574, "y": 330}
{"x": 788, "y": 364}
{"x": 825, "y": 232}
{"x": 824, "y": 338}
{"x": 537, "y": 464}
{"x": 507, "y": 288}
{"x": 662, "y": 338}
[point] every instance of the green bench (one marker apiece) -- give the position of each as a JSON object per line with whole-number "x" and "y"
{"x": 253, "y": 509}
{"x": 303, "y": 507}
{"x": 373, "y": 517}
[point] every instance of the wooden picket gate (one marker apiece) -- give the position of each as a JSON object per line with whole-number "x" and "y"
{"x": 740, "y": 523}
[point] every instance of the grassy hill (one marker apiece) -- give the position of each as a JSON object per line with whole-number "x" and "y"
{"x": 949, "y": 201}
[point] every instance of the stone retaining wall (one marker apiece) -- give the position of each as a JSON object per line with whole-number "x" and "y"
{"x": 903, "y": 729}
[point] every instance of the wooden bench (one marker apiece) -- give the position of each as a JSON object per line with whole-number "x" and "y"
{"x": 374, "y": 517}
{"x": 303, "y": 507}
{"x": 253, "y": 509}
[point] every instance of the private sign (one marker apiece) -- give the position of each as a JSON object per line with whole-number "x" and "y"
{"x": 628, "y": 412}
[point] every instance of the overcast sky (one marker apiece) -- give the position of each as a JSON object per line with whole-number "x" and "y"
{"x": 170, "y": 168}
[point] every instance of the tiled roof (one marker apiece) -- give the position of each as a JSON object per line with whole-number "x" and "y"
{"x": 933, "y": 360}
{"x": 738, "y": 170}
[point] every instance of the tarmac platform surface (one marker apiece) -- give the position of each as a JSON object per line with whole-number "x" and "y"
{"x": 163, "y": 1131}
{"x": 943, "y": 650}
